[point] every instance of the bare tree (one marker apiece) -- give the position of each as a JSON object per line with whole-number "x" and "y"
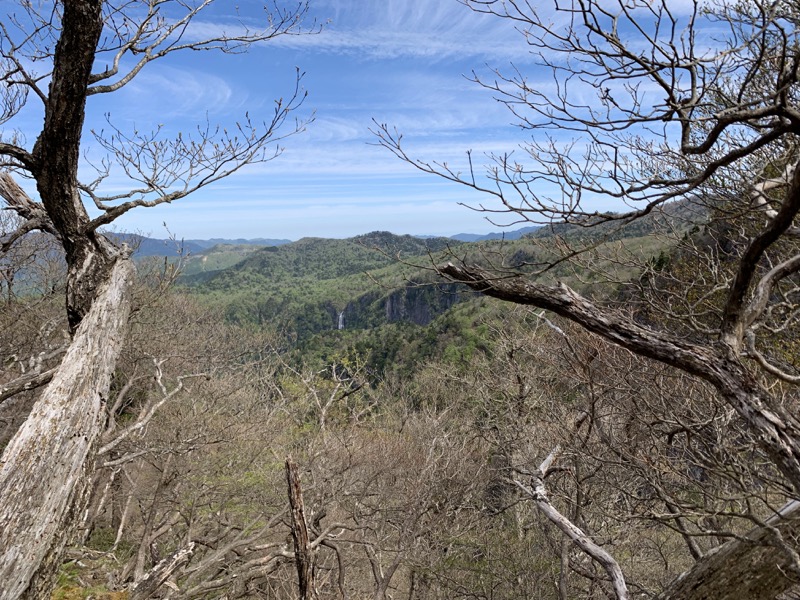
{"x": 638, "y": 105}
{"x": 49, "y": 52}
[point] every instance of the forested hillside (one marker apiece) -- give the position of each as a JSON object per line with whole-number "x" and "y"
{"x": 378, "y": 296}
{"x": 605, "y": 406}
{"x": 403, "y": 419}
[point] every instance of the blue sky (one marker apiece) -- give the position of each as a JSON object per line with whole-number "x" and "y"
{"x": 400, "y": 62}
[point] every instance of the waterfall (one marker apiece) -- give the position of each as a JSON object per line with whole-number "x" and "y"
{"x": 341, "y": 320}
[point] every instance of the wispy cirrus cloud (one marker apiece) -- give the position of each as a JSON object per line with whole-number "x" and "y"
{"x": 439, "y": 30}
{"x": 178, "y": 92}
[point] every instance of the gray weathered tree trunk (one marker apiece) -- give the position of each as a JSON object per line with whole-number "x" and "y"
{"x": 303, "y": 552}
{"x": 751, "y": 568}
{"x": 150, "y": 583}
{"x": 46, "y": 468}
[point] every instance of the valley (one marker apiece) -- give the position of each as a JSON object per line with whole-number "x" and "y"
{"x": 598, "y": 400}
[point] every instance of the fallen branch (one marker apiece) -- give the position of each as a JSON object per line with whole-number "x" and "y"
{"x": 538, "y": 493}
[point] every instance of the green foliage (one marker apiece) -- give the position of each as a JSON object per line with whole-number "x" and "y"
{"x": 302, "y": 287}
{"x": 396, "y": 314}
{"x": 406, "y": 411}
{"x": 74, "y": 578}
{"x": 217, "y": 258}
{"x": 318, "y": 259}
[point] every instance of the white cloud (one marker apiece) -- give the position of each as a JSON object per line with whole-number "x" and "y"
{"x": 172, "y": 92}
{"x": 395, "y": 29}
{"x": 428, "y": 209}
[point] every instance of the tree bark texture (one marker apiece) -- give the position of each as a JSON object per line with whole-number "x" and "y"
{"x": 56, "y": 155}
{"x": 776, "y": 429}
{"x": 304, "y": 554}
{"x": 45, "y": 470}
{"x": 150, "y": 583}
{"x": 750, "y": 568}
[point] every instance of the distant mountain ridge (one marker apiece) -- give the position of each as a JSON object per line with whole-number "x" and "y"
{"x": 516, "y": 234}
{"x": 146, "y": 246}
{"x": 240, "y": 242}
{"x": 318, "y": 258}
{"x": 684, "y": 211}
{"x": 317, "y": 285}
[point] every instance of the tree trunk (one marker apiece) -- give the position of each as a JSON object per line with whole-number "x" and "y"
{"x": 45, "y": 470}
{"x": 750, "y": 568}
{"x": 57, "y": 154}
{"x": 775, "y": 428}
{"x": 303, "y": 553}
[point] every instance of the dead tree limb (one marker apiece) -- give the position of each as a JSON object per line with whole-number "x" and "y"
{"x": 304, "y": 554}
{"x": 149, "y": 584}
{"x": 719, "y": 574}
{"x": 27, "y": 382}
{"x": 538, "y": 493}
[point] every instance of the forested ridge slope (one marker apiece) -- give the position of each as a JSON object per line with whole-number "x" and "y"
{"x": 377, "y": 293}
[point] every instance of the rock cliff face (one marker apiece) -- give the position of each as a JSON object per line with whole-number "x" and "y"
{"x": 418, "y": 304}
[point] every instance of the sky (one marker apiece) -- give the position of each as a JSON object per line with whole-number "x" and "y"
{"x": 405, "y": 63}
{"x": 400, "y": 62}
